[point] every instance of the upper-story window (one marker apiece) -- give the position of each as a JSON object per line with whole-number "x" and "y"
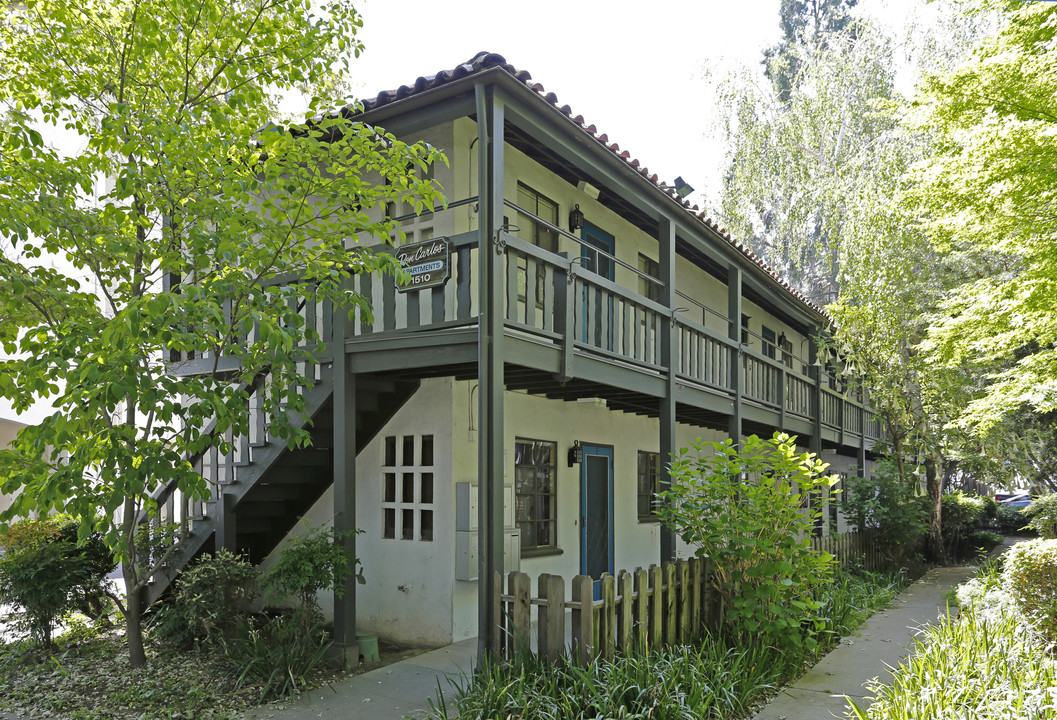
{"x": 786, "y": 346}
{"x": 744, "y": 329}
{"x": 651, "y": 269}
{"x": 543, "y": 208}
{"x": 770, "y": 343}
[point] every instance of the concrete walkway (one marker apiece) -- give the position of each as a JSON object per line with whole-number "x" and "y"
{"x": 880, "y": 645}
{"x": 388, "y": 693}
{"x": 406, "y": 687}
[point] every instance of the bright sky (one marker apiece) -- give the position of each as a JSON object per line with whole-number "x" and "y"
{"x": 636, "y": 70}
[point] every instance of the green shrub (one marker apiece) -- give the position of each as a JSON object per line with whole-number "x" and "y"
{"x": 961, "y": 515}
{"x": 1030, "y": 577}
{"x": 892, "y": 510}
{"x": 211, "y": 600}
{"x": 1043, "y": 516}
{"x": 307, "y": 564}
{"x": 46, "y": 573}
{"x": 968, "y": 668}
{"x": 982, "y": 541}
{"x": 1008, "y": 520}
{"x": 747, "y": 511}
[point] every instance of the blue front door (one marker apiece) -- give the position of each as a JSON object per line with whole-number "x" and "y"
{"x": 597, "y": 306}
{"x": 596, "y": 512}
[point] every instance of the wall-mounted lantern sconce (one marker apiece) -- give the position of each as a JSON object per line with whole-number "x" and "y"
{"x": 576, "y": 453}
{"x": 576, "y": 219}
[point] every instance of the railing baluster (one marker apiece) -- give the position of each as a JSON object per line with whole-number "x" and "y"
{"x": 462, "y": 281}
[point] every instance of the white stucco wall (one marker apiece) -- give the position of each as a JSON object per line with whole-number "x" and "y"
{"x": 8, "y": 430}
{"x": 534, "y": 417}
{"x": 408, "y": 594}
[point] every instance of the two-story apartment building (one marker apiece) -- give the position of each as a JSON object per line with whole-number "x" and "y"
{"x": 570, "y": 323}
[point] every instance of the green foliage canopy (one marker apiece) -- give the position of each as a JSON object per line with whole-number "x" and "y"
{"x": 186, "y": 222}
{"x": 988, "y": 192}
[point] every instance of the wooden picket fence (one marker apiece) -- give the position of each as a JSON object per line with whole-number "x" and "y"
{"x": 647, "y": 608}
{"x": 643, "y": 609}
{"x": 850, "y": 548}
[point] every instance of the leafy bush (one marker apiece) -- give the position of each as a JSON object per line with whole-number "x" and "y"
{"x": 961, "y": 515}
{"x": 1008, "y": 520}
{"x": 211, "y": 599}
{"x": 891, "y": 509}
{"x": 46, "y": 573}
{"x": 746, "y": 510}
{"x": 968, "y": 668}
{"x": 982, "y": 541}
{"x": 1030, "y": 577}
{"x": 279, "y": 655}
{"x": 307, "y": 564}
{"x": 1043, "y": 515}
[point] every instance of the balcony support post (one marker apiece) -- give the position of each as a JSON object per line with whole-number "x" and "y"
{"x": 862, "y": 439}
{"x": 736, "y": 362}
{"x": 490, "y": 381}
{"x": 816, "y": 403}
{"x": 344, "y": 469}
{"x": 669, "y": 359}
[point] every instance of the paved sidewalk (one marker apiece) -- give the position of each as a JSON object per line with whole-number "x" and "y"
{"x": 883, "y": 641}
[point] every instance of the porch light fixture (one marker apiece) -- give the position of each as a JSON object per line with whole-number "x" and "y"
{"x": 576, "y": 219}
{"x": 576, "y": 453}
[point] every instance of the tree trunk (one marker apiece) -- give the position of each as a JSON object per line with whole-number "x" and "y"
{"x": 934, "y": 485}
{"x": 137, "y": 658}
{"x": 133, "y": 592}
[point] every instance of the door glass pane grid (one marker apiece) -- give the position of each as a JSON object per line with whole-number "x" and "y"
{"x": 408, "y": 487}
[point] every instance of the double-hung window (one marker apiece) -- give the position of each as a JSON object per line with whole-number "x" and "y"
{"x": 535, "y": 494}
{"x": 649, "y": 484}
{"x": 530, "y": 228}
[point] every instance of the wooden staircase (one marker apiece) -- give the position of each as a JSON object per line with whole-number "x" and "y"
{"x": 262, "y": 488}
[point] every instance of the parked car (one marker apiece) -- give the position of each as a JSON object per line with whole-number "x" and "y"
{"x": 1019, "y": 500}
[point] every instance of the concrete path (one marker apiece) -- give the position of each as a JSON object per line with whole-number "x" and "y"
{"x": 388, "y": 693}
{"x": 880, "y": 644}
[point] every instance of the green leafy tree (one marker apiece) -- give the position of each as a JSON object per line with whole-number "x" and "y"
{"x": 750, "y": 511}
{"x": 806, "y": 26}
{"x": 180, "y": 175}
{"x": 987, "y": 194}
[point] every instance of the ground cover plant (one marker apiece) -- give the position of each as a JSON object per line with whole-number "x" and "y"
{"x": 722, "y": 676}
{"x": 995, "y": 659}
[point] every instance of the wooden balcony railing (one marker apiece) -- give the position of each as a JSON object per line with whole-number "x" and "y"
{"x": 551, "y": 298}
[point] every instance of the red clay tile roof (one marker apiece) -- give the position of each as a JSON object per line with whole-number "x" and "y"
{"x": 485, "y": 60}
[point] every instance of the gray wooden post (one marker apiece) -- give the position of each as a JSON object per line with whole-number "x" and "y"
{"x": 489, "y": 362}
{"x": 734, "y": 333}
{"x": 344, "y": 468}
{"x": 669, "y": 353}
{"x": 816, "y": 435}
